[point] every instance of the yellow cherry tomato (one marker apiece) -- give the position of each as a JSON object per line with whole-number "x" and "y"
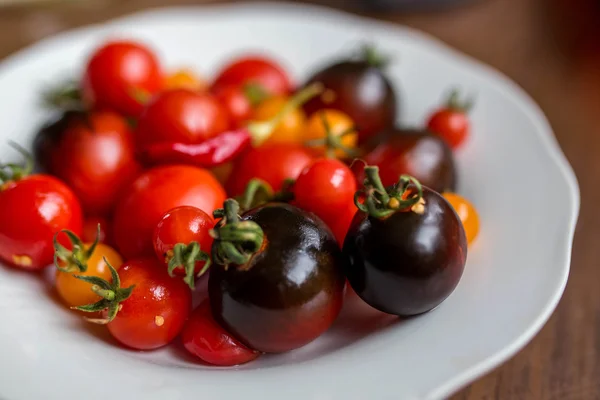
{"x": 75, "y": 292}
{"x": 338, "y": 124}
{"x": 185, "y": 79}
{"x": 292, "y": 126}
{"x": 467, "y": 214}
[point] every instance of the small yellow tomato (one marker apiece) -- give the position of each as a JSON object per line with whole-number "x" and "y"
{"x": 338, "y": 124}
{"x": 290, "y": 129}
{"x": 185, "y": 79}
{"x": 75, "y": 292}
{"x": 467, "y": 214}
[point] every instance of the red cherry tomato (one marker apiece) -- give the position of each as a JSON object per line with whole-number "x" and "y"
{"x": 451, "y": 122}
{"x": 117, "y": 74}
{"x": 183, "y": 225}
{"x": 32, "y": 211}
{"x": 157, "y": 309}
{"x": 272, "y": 163}
{"x": 341, "y": 223}
{"x": 325, "y": 187}
{"x": 207, "y": 340}
{"x": 255, "y": 70}
{"x": 155, "y": 192}
{"x": 180, "y": 115}
{"x": 90, "y": 230}
{"x": 235, "y": 101}
{"x": 95, "y": 156}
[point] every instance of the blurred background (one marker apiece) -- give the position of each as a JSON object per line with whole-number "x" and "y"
{"x": 549, "y": 47}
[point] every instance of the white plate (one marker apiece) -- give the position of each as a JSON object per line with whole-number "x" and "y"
{"x": 512, "y": 169}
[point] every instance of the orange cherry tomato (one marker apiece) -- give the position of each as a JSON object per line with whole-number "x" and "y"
{"x": 292, "y": 126}
{"x": 75, "y": 292}
{"x": 338, "y": 123}
{"x": 185, "y": 79}
{"x": 467, "y": 214}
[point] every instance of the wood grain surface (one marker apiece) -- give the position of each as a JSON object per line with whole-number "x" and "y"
{"x": 546, "y": 46}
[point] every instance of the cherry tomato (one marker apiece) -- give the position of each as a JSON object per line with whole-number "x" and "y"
{"x": 451, "y": 122}
{"x": 155, "y": 192}
{"x": 185, "y": 227}
{"x": 117, "y": 73}
{"x": 207, "y": 340}
{"x": 95, "y": 156}
{"x": 90, "y": 230}
{"x": 338, "y": 124}
{"x": 291, "y": 127}
{"x": 157, "y": 309}
{"x": 342, "y": 221}
{"x": 467, "y": 214}
{"x": 272, "y": 163}
{"x": 325, "y": 187}
{"x": 239, "y": 101}
{"x": 32, "y": 210}
{"x": 181, "y": 115}
{"x": 185, "y": 79}
{"x": 255, "y": 70}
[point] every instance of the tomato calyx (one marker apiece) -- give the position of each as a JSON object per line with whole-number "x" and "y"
{"x": 379, "y": 202}
{"x": 454, "y": 102}
{"x": 74, "y": 260}
{"x": 373, "y": 57}
{"x": 186, "y": 256}
{"x": 261, "y": 131}
{"x": 112, "y": 295}
{"x": 236, "y": 241}
{"x": 12, "y": 172}
{"x": 259, "y": 192}
{"x": 255, "y": 93}
{"x": 331, "y": 141}
{"x": 65, "y": 96}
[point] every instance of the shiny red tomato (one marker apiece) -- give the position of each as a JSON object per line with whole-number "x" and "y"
{"x": 207, "y": 340}
{"x": 95, "y": 156}
{"x": 118, "y": 74}
{"x": 341, "y": 223}
{"x": 451, "y": 122}
{"x": 325, "y": 187}
{"x": 155, "y": 192}
{"x": 90, "y": 230}
{"x": 181, "y": 115}
{"x": 32, "y": 210}
{"x": 157, "y": 309}
{"x": 272, "y": 163}
{"x": 256, "y": 70}
{"x": 181, "y": 233}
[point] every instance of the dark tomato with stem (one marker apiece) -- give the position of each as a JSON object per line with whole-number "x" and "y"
{"x": 151, "y": 195}
{"x": 277, "y": 283}
{"x": 208, "y": 341}
{"x": 407, "y": 247}
{"x": 272, "y": 163}
{"x": 181, "y": 115}
{"x": 360, "y": 89}
{"x": 420, "y": 154}
{"x": 118, "y": 74}
{"x": 95, "y": 156}
{"x": 325, "y": 187}
{"x": 258, "y": 70}
{"x": 181, "y": 239}
{"x": 451, "y": 122}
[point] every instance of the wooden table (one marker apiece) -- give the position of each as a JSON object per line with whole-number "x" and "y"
{"x": 526, "y": 40}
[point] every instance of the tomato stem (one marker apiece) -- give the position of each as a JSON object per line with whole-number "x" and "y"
{"x": 255, "y": 93}
{"x": 454, "y": 102}
{"x": 186, "y": 257}
{"x": 374, "y": 57}
{"x": 74, "y": 260}
{"x": 331, "y": 141}
{"x": 65, "y": 96}
{"x": 13, "y": 171}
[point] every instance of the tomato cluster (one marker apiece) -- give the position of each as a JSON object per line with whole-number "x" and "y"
{"x": 281, "y": 193}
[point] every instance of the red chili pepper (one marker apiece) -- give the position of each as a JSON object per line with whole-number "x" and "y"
{"x": 210, "y": 153}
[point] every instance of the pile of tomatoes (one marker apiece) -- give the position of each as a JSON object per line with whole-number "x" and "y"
{"x": 282, "y": 194}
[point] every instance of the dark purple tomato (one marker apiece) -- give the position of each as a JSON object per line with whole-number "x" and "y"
{"x": 409, "y": 262}
{"x": 360, "y": 89}
{"x": 290, "y": 291}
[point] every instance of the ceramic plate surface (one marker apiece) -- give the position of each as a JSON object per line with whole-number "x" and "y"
{"x": 510, "y": 169}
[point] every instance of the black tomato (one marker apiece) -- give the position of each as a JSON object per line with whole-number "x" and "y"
{"x": 425, "y": 156}
{"x": 278, "y": 280}
{"x": 360, "y": 89}
{"x": 48, "y": 137}
{"x": 406, "y": 253}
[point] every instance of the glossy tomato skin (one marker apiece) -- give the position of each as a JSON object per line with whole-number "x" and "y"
{"x": 207, "y": 340}
{"x": 408, "y": 263}
{"x": 451, "y": 125}
{"x": 467, "y": 213}
{"x": 183, "y": 224}
{"x": 417, "y": 153}
{"x": 360, "y": 90}
{"x": 292, "y": 126}
{"x": 95, "y": 156}
{"x": 157, "y": 309}
{"x": 292, "y": 289}
{"x": 342, "y": 221}
{"x": 32, "y": 211}
{"x": 258, "y": 70}
{"x": 155, "y": 192}
{"x": 115, "y": 72}
{"x": 181, "y": 115}
{"x": 272, "y": 163}
{"x": 235, "y": 101}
